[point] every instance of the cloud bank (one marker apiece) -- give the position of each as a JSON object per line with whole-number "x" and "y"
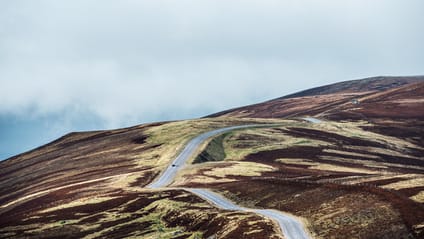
{"x": 127, "y": 62}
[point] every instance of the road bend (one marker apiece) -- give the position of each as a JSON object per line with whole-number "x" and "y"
{"x": 290, "y": 226}
{"x": 171, "y": 171}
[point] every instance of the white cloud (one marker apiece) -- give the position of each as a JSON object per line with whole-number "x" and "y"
{"x": 135, "y": 61}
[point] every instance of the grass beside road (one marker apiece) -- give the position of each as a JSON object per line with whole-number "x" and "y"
{"x": 303, "y": 168}
{"x": 325, "y": 164}
{"x": 214, "y": 151}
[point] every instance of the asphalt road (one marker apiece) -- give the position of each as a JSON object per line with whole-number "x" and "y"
{"x": 291, "y": 227}
{"x": 169, "y": 174}
{"x": 312, "y": 120}
{"x": 215, "y": 199}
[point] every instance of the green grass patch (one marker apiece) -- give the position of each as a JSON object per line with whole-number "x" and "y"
{"x": 304, "y": 141}
{"x": 214, "y": 151}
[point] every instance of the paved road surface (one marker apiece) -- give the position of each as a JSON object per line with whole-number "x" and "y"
{"x": 169, "y": 174}
{"x": 312, "y": 120}
{"x": 215, "y": 199}
{"x": 291, "y": 227}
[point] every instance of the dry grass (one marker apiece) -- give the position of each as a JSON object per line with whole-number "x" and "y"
{"x": 348, "y": 163}
{"x": 120, "y": 161}
{"x": 263, "y": 139}
{"x": 353, "y": 129}
{"x": 336, "y": 168}
{"x": 337, "y": 161}
{"x": 238, "y": 144}
{"x": 220, "y": 172}
{"x": 78, "y": 202}
{"x": 247, "y": 169}
{"x": 415, "y": 180}
{"x": 419, "y": 197}
{"x": 324, "y": 166}
{"x": 173, "y": 136}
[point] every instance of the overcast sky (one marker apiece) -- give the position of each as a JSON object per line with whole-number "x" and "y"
{"x": 92, "y": 64}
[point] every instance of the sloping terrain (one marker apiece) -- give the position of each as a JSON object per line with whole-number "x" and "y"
{"x": 370, "y": 145}
{"x": 379, "y": 97}
{"x": 357, "y": 174}
{"x": 349, "y": 184}
{"x": 380, "y": 83}
{"x": 91, "y": 185}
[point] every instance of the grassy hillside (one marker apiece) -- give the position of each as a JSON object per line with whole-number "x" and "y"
{"x": 357, "y": 174}
{"x": 91, "y": 185}
{"x": 346, "y": 181}
{"x": 366, "y": 99}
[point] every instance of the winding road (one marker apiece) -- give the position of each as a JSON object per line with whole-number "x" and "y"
{"x": 169, "y": 174}
{"x": 290, "y": 226}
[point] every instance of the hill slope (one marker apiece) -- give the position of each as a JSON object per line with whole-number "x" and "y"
{"x": 341, "y": 98}
{"x": 358, "y": 174}
{"x": 380, "y": 83}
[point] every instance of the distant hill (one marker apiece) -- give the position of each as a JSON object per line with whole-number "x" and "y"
{"x": 379, "y": 83}
{"x": 375, "y": 97}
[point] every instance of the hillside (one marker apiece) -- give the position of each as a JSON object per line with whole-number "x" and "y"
{"x": 357, "y": 174}
{"x": 380, "y": 83}
{"x": 340, "y": 100}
